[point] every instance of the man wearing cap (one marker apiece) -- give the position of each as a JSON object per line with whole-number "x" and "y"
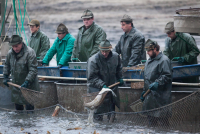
{"x": 157, "y": 78}
{"x": 21, "y": 63}
{"x": 89, "y": 37}
{"x": 131, "y": 44}
{"x": 62, "y": 47}
{"x": 38, "y": 41}
{"x": 103, "y": 70}
{"x": 181, "y": 47}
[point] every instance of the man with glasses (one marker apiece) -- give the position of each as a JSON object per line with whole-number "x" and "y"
{"x": 181, "y": 47}
{"x": 131, "y": 44}
{"x": 38, "y": 41}
{"x": 62, "y": 47}
{"x": 89, "y": 37}
{"x": 103, "y": 70}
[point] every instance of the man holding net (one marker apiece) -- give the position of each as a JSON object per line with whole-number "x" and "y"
{"x": 21, "y": 63}
{"x": 103, "y": 70}
{"x": 157, "y": 78}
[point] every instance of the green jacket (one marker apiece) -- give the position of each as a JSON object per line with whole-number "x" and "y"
{"x": 40, "y": 43}
{"x": 87, "y": 42}
{"x": 179, "y": 48}
{"x": 22, "y": 67}
{"x": 104, "y": 71}
{"x": 63, "y": 50}
{"x": 158, "y": 70}
{"x": 131, "y": 48}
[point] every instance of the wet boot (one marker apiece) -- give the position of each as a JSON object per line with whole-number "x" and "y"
{"x": 98, "y": 117}
{"x": 19, "y": 107}
{"x": 29, "y": 107}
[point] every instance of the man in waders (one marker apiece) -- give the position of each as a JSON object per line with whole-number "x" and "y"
{"x": 103, "y": 70}
{"x": 88, "y": 39}
{"x": 182, "y": 48}
{"x": 21, "y": 63}
{"x": 157, "y": 78}
{"x": 131, "y": 44}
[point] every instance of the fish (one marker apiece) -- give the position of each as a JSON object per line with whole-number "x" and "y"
{"x": 98, "y": 99}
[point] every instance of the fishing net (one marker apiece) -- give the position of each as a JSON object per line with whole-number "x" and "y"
{"x": 180, "y": 116}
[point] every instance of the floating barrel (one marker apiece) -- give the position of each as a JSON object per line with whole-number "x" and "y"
{"x": 187, "y": 21}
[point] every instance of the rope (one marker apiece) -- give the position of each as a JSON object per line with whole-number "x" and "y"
{"x": 22, "y": 20}
{"x": 188, "y": 43}
{"x": 3, "y": 18}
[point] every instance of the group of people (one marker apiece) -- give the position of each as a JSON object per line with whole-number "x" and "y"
{"x": 104, "y": 65}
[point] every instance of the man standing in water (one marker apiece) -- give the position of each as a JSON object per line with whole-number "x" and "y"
{"x": 21, "y": 63}
{"x": 131, "y": 44}
{"x": 89, "y": 37}
{"x": 104, "y": 69}
{"x": 38, "y": 41}
{"x": 157, "y": 78}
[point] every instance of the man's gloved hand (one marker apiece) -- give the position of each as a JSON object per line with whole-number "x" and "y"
{"x": 74, "y": 59}
{"x": 121, "y": 82}
{"x": 25, "y": 84}
{"x": 43, "y": 64}
{"x": 5, "y": 80}
{"x": 128, "y": 66}
{"x": 104, "y": 86}
{"x": 181, "y": 60}
{"x": 153, "y": 86}
{"x": 59, "y": 65}
{"x": 141, "y": 97}
{"x": 175, "y": 58}
{"x": 143, "y": 61}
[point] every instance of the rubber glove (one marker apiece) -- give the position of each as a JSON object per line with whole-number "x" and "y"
{"x": 181, "y": 60}
{"x": 74, "y": 59}
{"x": 175, "y": 58}
{"x": 43, "y": 64}
{"x": 128, "y": 66}
{"x": 104, "y": 86}
{"x": 153, "y": 86}
{"x": 5, "y": 80}
{"x": 59, "y": 65}
{"x": 25, "y": 84}
{"x": 141, "y": 97}
{"x": 121, "y": 82}
{"x": 143, "y": 61}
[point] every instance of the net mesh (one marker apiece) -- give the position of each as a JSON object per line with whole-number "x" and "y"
{"x": 182, "y": 116}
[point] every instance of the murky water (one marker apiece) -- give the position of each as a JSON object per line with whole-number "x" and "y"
{"x": 44, "y": 123}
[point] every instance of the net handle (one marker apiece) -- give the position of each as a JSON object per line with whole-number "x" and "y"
{"x": 114, "y": 85}
{"x": 146, "y": 93}
{"x": 18, "y": 86}
{"x": 15, "y": 85}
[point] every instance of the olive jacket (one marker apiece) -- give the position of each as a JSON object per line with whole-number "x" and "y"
{"x": 87, "y": 42}
{"x": 22, "y": 67}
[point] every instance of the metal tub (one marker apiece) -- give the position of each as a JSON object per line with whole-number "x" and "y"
{"x": 1, "y": 69}
{"x": 129, "y": 95}
{"x": 77, "y": 65}
{"x": 79, "y": 73}
{"x": 49, "y": 71}
{"x": 5, "y": 93}
{"x": 187, "y": 21}
{"x": 70, "y": 95}
{"x": 50, "y": 94}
